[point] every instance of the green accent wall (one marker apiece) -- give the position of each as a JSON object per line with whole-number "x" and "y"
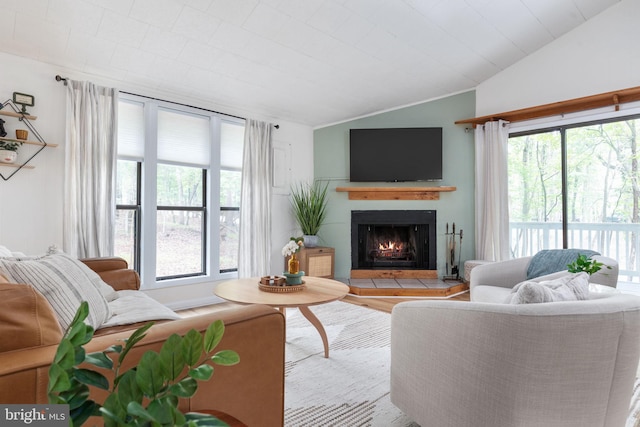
{"x": 331, "y": 163}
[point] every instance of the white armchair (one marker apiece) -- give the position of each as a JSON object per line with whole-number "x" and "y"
{"x": 493, "y": 282}
{"x": 560, "y": 364}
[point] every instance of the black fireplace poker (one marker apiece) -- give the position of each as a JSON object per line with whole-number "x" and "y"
{"x": 452, "y": 267}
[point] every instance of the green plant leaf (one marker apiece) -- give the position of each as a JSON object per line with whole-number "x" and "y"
{"x": 114, "y": 349}
{"x": 80, "y": 414}
{"x": 58, "y": 379}
{"x": 137, "y": 410}
{"x": 135, "y": 337}
{"x": 99, "y": 359}
{"x": 192, "y": 347}
{"x": 202, "y": 372}
{"x": 149, "y": 374}
{"x": 185, "y": 388}
{"x": 171, "y": 357}
{"x": 114, "y": 412}
{"x": 93, "y": 378}
{"x": 65, "y": 355}
{"x": 213, "y": 335}
{"x": 79, "y": 333}
{"x": 204, "y": 420}
{"x": 79, "y": 355}
{"x": 76, "y": 396}
{"x": 128, "y": 389}
{"x": 309, "y": 203}
{"x": 162, "y": 411}
{"x": 226, "y": 358}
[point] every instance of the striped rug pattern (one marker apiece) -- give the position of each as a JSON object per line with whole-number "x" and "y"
{"x": 351, "y": 388}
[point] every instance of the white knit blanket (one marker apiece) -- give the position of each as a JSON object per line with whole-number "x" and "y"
{"x": 135, "y": 306}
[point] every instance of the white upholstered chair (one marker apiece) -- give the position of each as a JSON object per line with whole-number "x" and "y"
{"x": 558, "y": 364}
{"x": 493, "y": 282}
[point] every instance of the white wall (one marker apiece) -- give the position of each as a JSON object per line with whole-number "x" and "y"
{"x": 601, "y": 55}
{"x": 31, "y": 202}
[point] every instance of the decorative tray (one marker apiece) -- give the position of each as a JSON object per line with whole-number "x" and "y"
{"x": 281, "y": 288}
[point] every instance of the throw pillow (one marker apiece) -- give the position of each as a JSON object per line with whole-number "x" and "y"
{"x": 549, "y": 261}
{"x": 572, "y": 287}
{"x": 64, "y": 281}
{"x": 27, "y": 318}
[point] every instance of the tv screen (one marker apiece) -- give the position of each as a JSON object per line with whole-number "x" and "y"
{"x": 395, "y": 154}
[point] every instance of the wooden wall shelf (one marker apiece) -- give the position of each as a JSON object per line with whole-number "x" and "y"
{"x": 18, "y": 115}
{"x": 395, "y": 193}
{"x": 29, "y": 142}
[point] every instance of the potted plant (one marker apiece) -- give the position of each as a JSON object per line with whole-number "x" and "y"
{"x": 9, "y": 151}
{"x": 309, "y": 202}
{"x": 588, "y": 265}
{"x": 146, "y": 394}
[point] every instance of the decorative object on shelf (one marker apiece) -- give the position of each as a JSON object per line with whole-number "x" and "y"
{"x": 24, "y": 100}
{"x": 294, "y": 278}
{"x": 9, "y": 151}
{"x": 22, "y": 134}
{"x": 290, "y": 250}
{"x": 3, "y": 132}
{"x": 8, "y": 156}
{"x": 309, "y": 202}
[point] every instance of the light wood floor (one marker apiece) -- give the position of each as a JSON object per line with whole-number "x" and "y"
{"x": 386, "y": 304}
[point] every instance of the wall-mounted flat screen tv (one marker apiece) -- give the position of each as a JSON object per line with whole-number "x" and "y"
{"x": 395, "y": 154}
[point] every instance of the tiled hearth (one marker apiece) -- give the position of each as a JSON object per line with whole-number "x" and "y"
{"x": 436, "y": 288}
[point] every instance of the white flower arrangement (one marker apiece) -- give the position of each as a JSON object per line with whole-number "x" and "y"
{"x": 292, "y": 246}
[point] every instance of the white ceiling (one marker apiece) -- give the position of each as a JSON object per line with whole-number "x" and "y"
{"x": 309, "y": 61}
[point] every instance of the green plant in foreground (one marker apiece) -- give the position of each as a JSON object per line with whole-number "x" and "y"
{"x": 588, "y": 265}
{"x": 309, "y": 202}
{"x": 158, "y": 378}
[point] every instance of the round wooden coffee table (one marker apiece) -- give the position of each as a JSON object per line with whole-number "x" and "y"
{"x": 317, "y": 291}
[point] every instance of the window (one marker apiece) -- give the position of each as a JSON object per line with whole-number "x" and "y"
{"x": 177, "y": 166}
{"x": 578, "y": 186}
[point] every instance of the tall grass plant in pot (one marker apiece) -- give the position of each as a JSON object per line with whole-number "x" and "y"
{"x": 309, "y": 202}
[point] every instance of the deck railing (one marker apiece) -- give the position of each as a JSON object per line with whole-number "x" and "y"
{"x": 620, "y": 241}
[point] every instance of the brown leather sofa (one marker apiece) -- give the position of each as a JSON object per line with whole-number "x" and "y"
{"x": 251, "y": 391}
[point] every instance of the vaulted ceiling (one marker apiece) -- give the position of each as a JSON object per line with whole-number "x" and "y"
{"x": 309, "y": 61}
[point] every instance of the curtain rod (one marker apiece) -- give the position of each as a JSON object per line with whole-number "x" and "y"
{"x": 65, "y": 80}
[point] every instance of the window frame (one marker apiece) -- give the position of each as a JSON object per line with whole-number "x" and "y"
{"x": 146, "y": 260}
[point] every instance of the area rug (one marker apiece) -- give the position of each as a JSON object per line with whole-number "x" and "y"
{"x": 351, "y": 387}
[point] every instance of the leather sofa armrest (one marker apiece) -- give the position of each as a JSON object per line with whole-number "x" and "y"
{"x": 115, "y": 272}
{"x": 252, "y": 390}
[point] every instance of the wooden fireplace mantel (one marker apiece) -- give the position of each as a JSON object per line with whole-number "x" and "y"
{"x": 394, "y": 193}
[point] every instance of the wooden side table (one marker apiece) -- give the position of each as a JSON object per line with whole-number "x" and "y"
{"x": 316, "y": 262}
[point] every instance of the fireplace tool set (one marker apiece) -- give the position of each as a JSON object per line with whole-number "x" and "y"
{"x": 454, "y": 243}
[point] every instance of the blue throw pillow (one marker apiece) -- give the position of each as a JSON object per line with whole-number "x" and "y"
{"x": 549, "y": 261}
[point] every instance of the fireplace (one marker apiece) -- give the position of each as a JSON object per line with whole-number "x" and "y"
{"x": 388, "y": 239}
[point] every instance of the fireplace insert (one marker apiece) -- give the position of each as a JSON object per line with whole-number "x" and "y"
{"x": 390, "y": 239}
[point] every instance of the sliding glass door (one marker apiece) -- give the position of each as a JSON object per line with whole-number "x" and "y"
{"x": 577, "y": 187}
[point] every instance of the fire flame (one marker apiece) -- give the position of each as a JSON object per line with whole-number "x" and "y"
{"x": 391, "y": 246}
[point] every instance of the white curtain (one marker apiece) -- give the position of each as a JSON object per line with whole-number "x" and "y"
{"x": 492, "y": 204}
{"x": 90, "y": 162}
{"x": 254, "y": 258}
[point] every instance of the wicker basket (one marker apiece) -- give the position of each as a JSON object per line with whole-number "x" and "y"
{"x": 281, "y": 289}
